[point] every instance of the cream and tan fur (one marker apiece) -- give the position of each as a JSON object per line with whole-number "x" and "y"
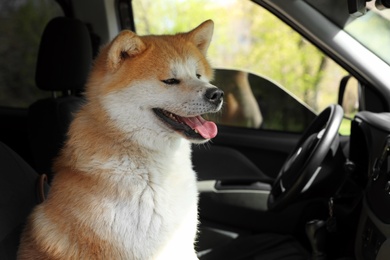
{"x": 124, "y": 186}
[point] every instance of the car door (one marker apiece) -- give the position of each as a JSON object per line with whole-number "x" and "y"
{"x": 258, "y": 128}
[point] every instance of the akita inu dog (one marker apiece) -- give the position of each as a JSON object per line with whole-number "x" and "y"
{"x": 124, "y": 186}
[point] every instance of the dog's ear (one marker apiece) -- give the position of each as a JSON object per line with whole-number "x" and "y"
{"x": 201, "y": 35}
{"x": 126, "y": 45}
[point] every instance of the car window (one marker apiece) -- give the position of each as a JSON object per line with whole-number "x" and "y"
{"x": 253, "y": 101}
{"x": 21, "y": 25}
{"x": 372, "y": 30}
{"x": 288, "y": 79}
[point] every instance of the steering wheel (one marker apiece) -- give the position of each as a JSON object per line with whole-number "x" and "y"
{"x": 304, "y": 163}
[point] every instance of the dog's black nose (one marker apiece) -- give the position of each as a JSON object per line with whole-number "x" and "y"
{"x": 214, "y": 95}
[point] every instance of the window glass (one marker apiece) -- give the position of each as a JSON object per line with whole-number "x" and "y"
{"x": 21, "y": 25}
{"x": 301, "y": 80}
{"x": 372, "y": 30}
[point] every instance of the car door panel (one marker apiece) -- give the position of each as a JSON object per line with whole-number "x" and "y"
{"x": 235, "y": 174}
{"x": 247, "y": 155}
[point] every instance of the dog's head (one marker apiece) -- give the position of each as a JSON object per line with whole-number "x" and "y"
{"x": 158, "y": 84}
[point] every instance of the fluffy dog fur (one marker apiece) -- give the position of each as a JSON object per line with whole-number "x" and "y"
{"x": 124, "y": 186}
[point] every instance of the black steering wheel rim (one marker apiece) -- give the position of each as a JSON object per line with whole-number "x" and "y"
{"x": 304, "y": 163}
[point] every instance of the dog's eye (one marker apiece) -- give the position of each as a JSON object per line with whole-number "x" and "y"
{"x": 172, "y": 81}
{"x": 198, "y": 76}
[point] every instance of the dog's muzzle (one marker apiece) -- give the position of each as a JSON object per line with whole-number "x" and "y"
{"x": 214, "y": 96}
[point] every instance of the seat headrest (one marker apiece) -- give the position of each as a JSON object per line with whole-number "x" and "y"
{"x": 65, "y": 55}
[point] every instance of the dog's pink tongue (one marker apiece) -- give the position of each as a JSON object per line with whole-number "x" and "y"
{"x": 206, "y": 129}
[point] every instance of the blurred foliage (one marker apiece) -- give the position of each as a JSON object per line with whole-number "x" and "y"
{"x": 21, "y": 26}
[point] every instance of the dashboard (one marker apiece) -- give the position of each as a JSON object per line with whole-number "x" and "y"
{"x": 370, "y": 155}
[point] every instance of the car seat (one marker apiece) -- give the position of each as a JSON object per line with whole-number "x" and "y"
{"x": 63, "y": 64}
{"x": 21, "y": 188}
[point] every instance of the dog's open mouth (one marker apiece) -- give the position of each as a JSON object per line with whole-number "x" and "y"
{"x": 193, "y": 127}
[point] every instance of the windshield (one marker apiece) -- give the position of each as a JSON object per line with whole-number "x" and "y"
{"x": 373, "y": 31}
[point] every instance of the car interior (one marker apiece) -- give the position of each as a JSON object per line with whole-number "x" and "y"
{"x": 315, "y": 195}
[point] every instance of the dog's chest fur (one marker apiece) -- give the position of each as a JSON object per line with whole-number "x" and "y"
{"x": 124, "y": 208}
{"x": 157, "y": 209}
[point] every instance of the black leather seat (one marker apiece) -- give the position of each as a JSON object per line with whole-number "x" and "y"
{"x": 19, "y": 186}
{"x": 64, "y": 61}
